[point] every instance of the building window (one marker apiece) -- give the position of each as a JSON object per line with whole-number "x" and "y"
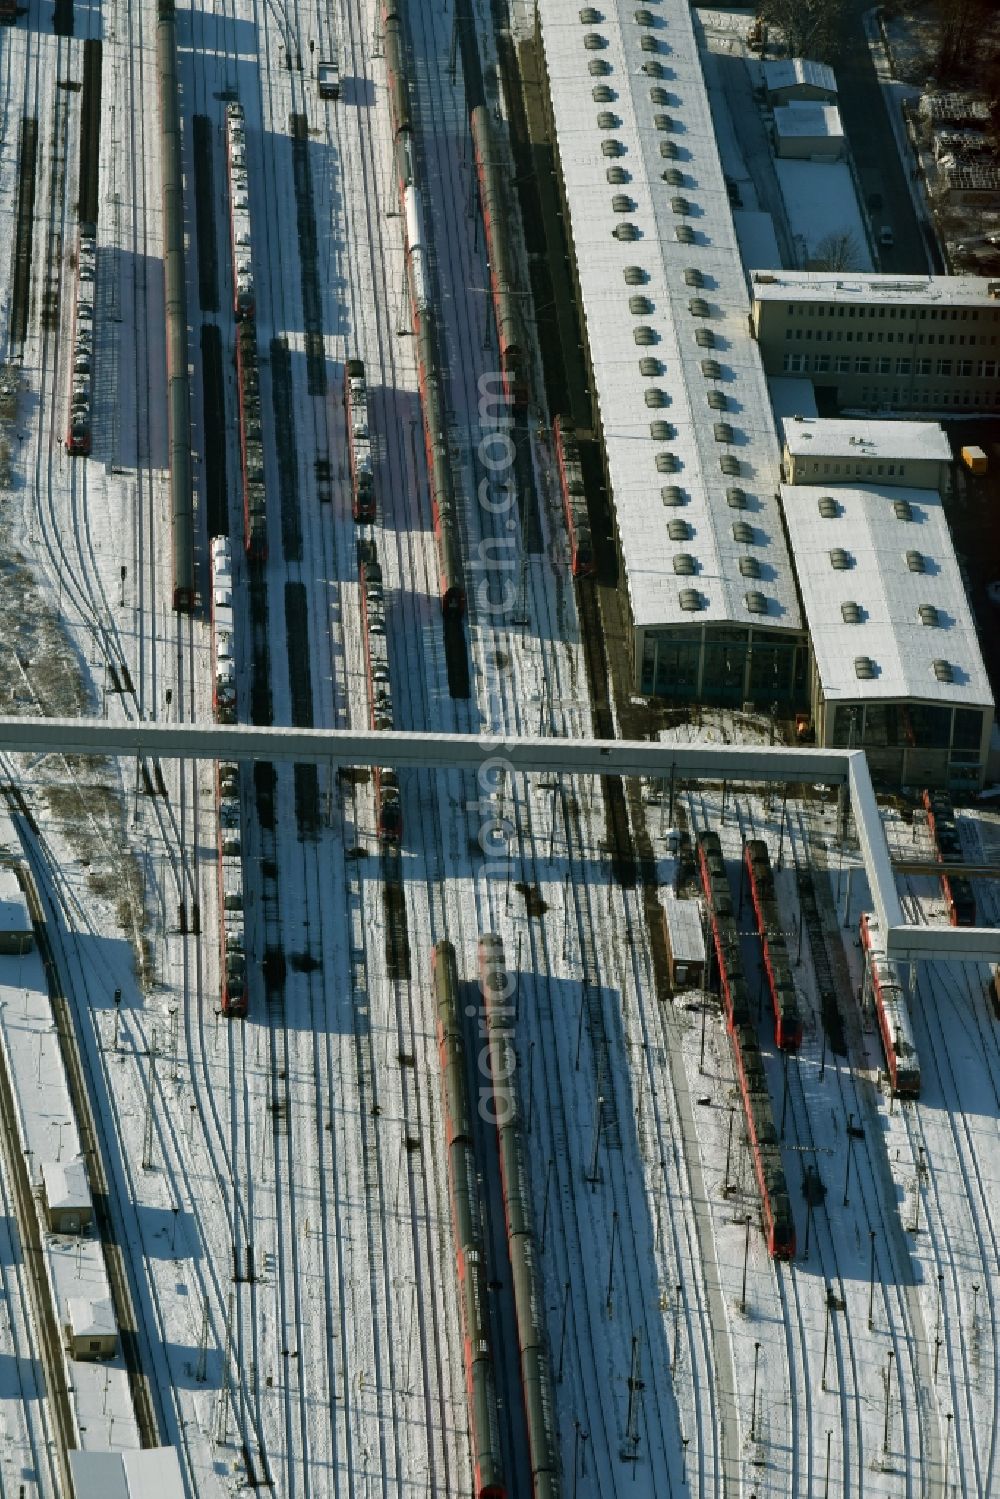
{"x": 883, "y": 365}
{"x": 842, "y": 364}
{"x": 862, "y": 364}
{"x": 902, "y": 366}
{"x": 821, "y": 363}
{"x": 987, "y": 369}
{"x": 964, "y": 367}
{"x": 794, "y": 364}
{"x": 923, "y": 366}
{"x": 944, "y": 367}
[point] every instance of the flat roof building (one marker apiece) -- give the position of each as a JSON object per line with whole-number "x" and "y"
{"x": 805, "y": 129}
{"x": 685, "y": 939}
{"x": 66, "y": 1193}
{"x": 878, "y": 342}
{"x": 837, "y": 450}
{"x": 896, "y": 666}
{"x": 153, "y": 1473}
{"x": 679, "y": 398}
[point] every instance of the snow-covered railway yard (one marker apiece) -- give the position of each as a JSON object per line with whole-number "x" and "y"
{"x": 280, "y": 1184}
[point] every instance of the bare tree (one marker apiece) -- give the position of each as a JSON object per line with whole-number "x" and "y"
{"x": 838, "y": 251}
{"x": 811, "y": 28}
{"x": 962, "y": 23}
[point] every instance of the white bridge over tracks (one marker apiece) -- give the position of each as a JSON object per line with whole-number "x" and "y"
{"x": 489, "y": 755}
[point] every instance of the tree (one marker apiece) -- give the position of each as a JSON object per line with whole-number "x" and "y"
{"x": 961, "y": 28}
{"x": 836, "y": 252}
{"x": 811, "y": 28}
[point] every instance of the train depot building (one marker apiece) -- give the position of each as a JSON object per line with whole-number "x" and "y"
{"x": 895, "y": 665}
{"x": 679, "y": 396}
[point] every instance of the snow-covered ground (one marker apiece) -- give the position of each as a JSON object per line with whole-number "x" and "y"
{"x": 289, "y": 1228}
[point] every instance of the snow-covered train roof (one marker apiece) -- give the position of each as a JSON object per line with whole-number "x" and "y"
{"x": 718, "y": 457}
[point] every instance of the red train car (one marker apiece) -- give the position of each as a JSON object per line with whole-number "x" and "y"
{"x": 893, "y": 1016}
{"x": 959, "y": 897}
{"x": 781, "y": 986}
{"x": 574, "y": 500}
{"x": 388, "y": 804}
{"x": 778, "y": 1222}
{"x": 484, "y": 1418}
{"x": 493, "y": 186}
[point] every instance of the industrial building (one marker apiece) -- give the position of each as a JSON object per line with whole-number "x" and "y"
{"x": 787, "y": 79}
{"x": 679, "y": 397}
{"x": 896, "y": 666}
{"x": 836, "y": 450}
{"x": 902, "y": 343}
{"x": 807, "y": 131}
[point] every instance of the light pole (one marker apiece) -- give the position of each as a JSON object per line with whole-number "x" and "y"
{"x": 753, "y": 1407}
{"x": 888, "y": 1397}
{"x": 746, "y": 1256}
{"x": 871, "y": 1283}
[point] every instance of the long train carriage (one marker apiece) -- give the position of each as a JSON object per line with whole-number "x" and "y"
{"x": 244, "y": 295}
{"x": 776, "y": 1207}
{"x": 784, "y": 1000}
{"x": 451, "y": 584}
{"x": 223, "y": 658}
{"x": 536, "y": 1373}
{"x": 388, "y": 805}
{"x": 359, "y": 447}
{"x": 466, "y": 1219}
{"x": 79, "y": 433}
{"x": 496, "y": 224}
{"x": 574, "y": 500}
{"x": 957, "y": 890}
{"x": 889, "y": 999}
{"x": 251, "y": 443}
{"x": 776, "y": 1212}
{"x": 232, "y": 949}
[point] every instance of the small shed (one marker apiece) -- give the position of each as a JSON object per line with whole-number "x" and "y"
{"x": 16, "y": 934}
{"x": 788, "y": 78}
{"x": 810, "y": 129}
{"x": 66, "y": 1195}
{"x": 91, "y": 1331}
{"x": 685, "y": 942}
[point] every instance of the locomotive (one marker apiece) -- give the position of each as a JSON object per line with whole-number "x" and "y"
{"x": 529, "y": 1301}
{"x": 776, "y": 1207}
{"x": 359, "y": 447}
{"x": 232, "y": 951}
{"x": 882, "y": 983}
{"x": 451, "y": 584}
{"x": 78, "y": 427}
{"x": 784, "y": 1000}
{"x": 223, "y": 660}
{"x": 574, "y": 500}
{"x": 244, "y": 300}
{"x": 466, "y": 1217}
{"x": 957, "y": 890}
{"x": 388, "y": 806}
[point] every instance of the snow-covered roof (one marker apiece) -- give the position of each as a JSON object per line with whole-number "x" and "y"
{"x": 808, "y": 117}
{"x": 792, "y": 72}
{"x": 152, "y": 1473}
{"x": 890, "y": 553}
{"x": 670, "y": 475}
{"x": 821, "y": 203}
{"x": 756, "y": 237}
{"x": 687, "y": 938}
{"x": 13, "y": 906}
{"x": 851, "y": 286}
{"x": 90, "y": 1317}
{"x": 850, "y": 437}
{"x": 66, "y": 1184}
